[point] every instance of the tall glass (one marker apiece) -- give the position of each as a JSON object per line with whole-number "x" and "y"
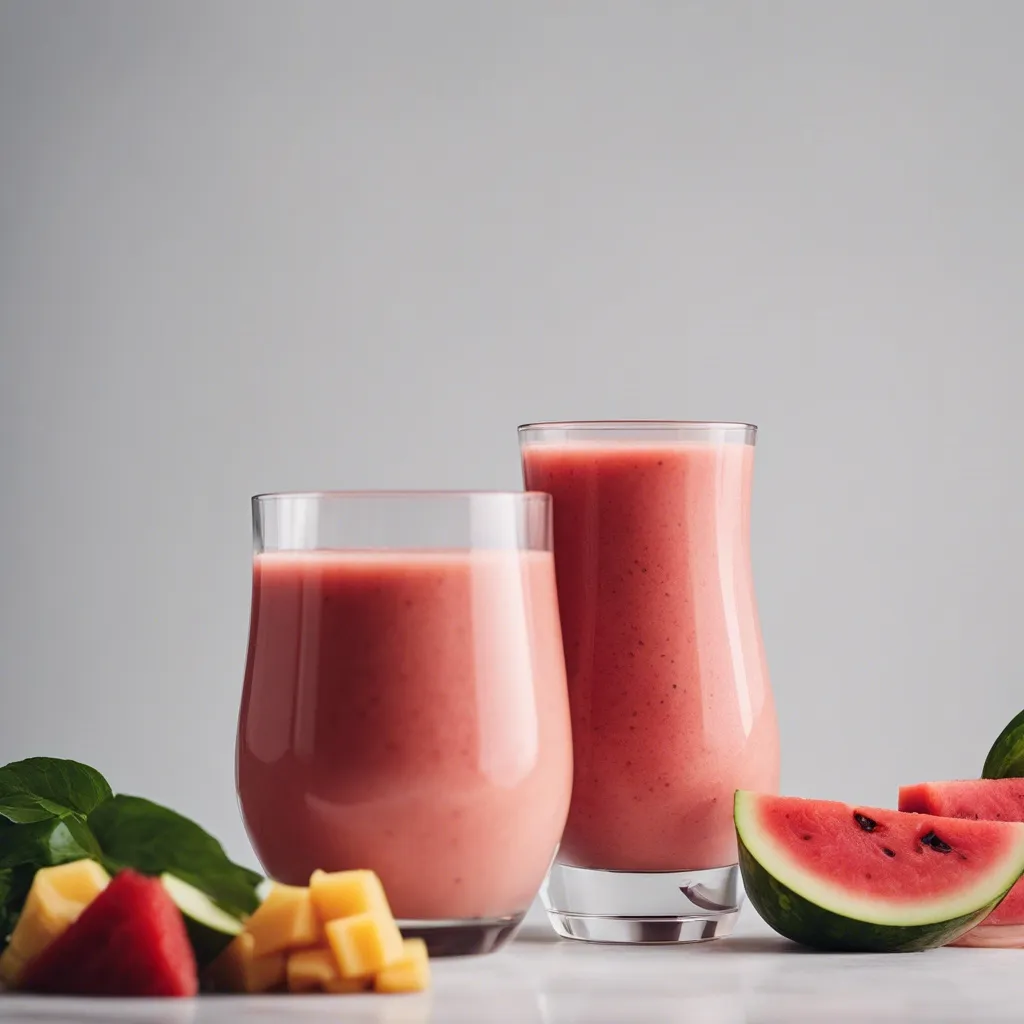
{"x": 671, "y": 705}
{"x": 405, "y": 704}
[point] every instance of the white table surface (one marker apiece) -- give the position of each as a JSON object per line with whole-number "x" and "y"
{"x": 752, "y": 978}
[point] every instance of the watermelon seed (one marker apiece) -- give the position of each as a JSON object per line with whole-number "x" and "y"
{"x": 807, "y": 837}
{"x": 888, "y": 852}
{"x": 932, "y": 840}
{"x": 865, "y": 822}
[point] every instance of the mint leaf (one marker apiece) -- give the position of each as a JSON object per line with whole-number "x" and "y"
{"x": 24, "y": 808}
{"x": 43, "y": 803}
{"x": 14, "y": 886}
{"x": 53, "y": 811}
{"x": 41, "y": 844}
{"x": 138, "y": 833}
{"x": 56, "y": 784}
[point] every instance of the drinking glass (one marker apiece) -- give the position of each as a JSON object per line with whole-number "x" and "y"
{"x": 670, "y": 700}
{"x": 404, "y": 706}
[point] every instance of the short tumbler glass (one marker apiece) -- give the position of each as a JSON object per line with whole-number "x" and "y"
{"x": 404, "y": 706}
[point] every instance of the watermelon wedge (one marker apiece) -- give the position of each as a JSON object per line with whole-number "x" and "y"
{"x": 130, "y": 941}
{"x": 858, "y": 879}
{"x": 979, "y": 799}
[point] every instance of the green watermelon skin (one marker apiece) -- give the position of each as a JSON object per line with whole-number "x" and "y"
{"x": 810, "y": 925}
{"x": 130, "y": 941}
{"x": 1006, "y": 758}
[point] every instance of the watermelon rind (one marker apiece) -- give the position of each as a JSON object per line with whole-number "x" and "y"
{"x": 814, "y": 913}
{"x": 1006, "y": 758}
{"x": 210, "y": 929}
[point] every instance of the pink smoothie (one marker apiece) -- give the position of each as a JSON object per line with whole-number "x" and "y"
{"x": 671, "y": 705}
{"x": 406, "y": 712}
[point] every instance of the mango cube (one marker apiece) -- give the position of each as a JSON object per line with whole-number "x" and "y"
{"x": 364, "y": 943}
{"x": 310, "y": 970}
{"x": 238, "y": 969}
{"x": 346, "y": 986}
{"x": 57, "y": 897}
{"x": 338, "y": 936}
{"x": 284, "y": 920}
{"x": 346, "y": 893}
{"x": 410, "y": 974}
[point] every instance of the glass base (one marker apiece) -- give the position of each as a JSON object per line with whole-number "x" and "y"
{"x": 643, "y": 907}
{"x": 463, "y": 938}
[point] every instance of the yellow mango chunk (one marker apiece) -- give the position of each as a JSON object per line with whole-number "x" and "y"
{"x": 309, "y": 970}
{"x": 12, "y": 967}
{"x": 238, "y": 969}
{"x": 364, "y": 943}
{"x": 347, "y": 986}
{"x": 410, "y": 974}
{"x": 284, "y": 920}
{"x": 57, "y": 897}
{"x": 346, "y": 893}
{"x": 81, "y": 880}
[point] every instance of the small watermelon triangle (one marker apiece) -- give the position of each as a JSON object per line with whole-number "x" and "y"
{"x": 130, "y": 941}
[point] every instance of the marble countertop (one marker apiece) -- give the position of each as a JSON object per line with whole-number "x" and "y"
{"x": 755, "y": 977}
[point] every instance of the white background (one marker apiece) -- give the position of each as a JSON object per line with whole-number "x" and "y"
{"x": 249, "y": 246}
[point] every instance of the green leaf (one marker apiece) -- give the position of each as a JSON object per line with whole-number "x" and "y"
{"x": 14, "y": 886}
{"x": 53, "y": 811}
{"x": 41, "y": 844}
{"x": 138, "y": 833}
{"x": 43, "y": 803}
{"x": 23, "y": 808}
{"x": 55, "y": 782}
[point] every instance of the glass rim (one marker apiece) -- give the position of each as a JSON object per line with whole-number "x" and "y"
{"x": 435, "y": 495}
{"x": 637, "y": 425}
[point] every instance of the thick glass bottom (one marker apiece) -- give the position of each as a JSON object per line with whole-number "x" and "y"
{"x": 463, "y": 938}
{"x": 642, "y": 907}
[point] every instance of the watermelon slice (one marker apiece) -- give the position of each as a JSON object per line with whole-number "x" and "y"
{"x": 978, "y": 799}
{"x": 130, "y": 941}
{"x": 839, "y": 877}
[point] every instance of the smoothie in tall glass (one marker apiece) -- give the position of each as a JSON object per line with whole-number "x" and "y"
{"x": 670, "y": 699}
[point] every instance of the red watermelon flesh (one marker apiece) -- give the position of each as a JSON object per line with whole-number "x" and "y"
{"x": 130, "y": 941}
{"x": 882, "y": 854}
{"x": 977, "y": 800}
